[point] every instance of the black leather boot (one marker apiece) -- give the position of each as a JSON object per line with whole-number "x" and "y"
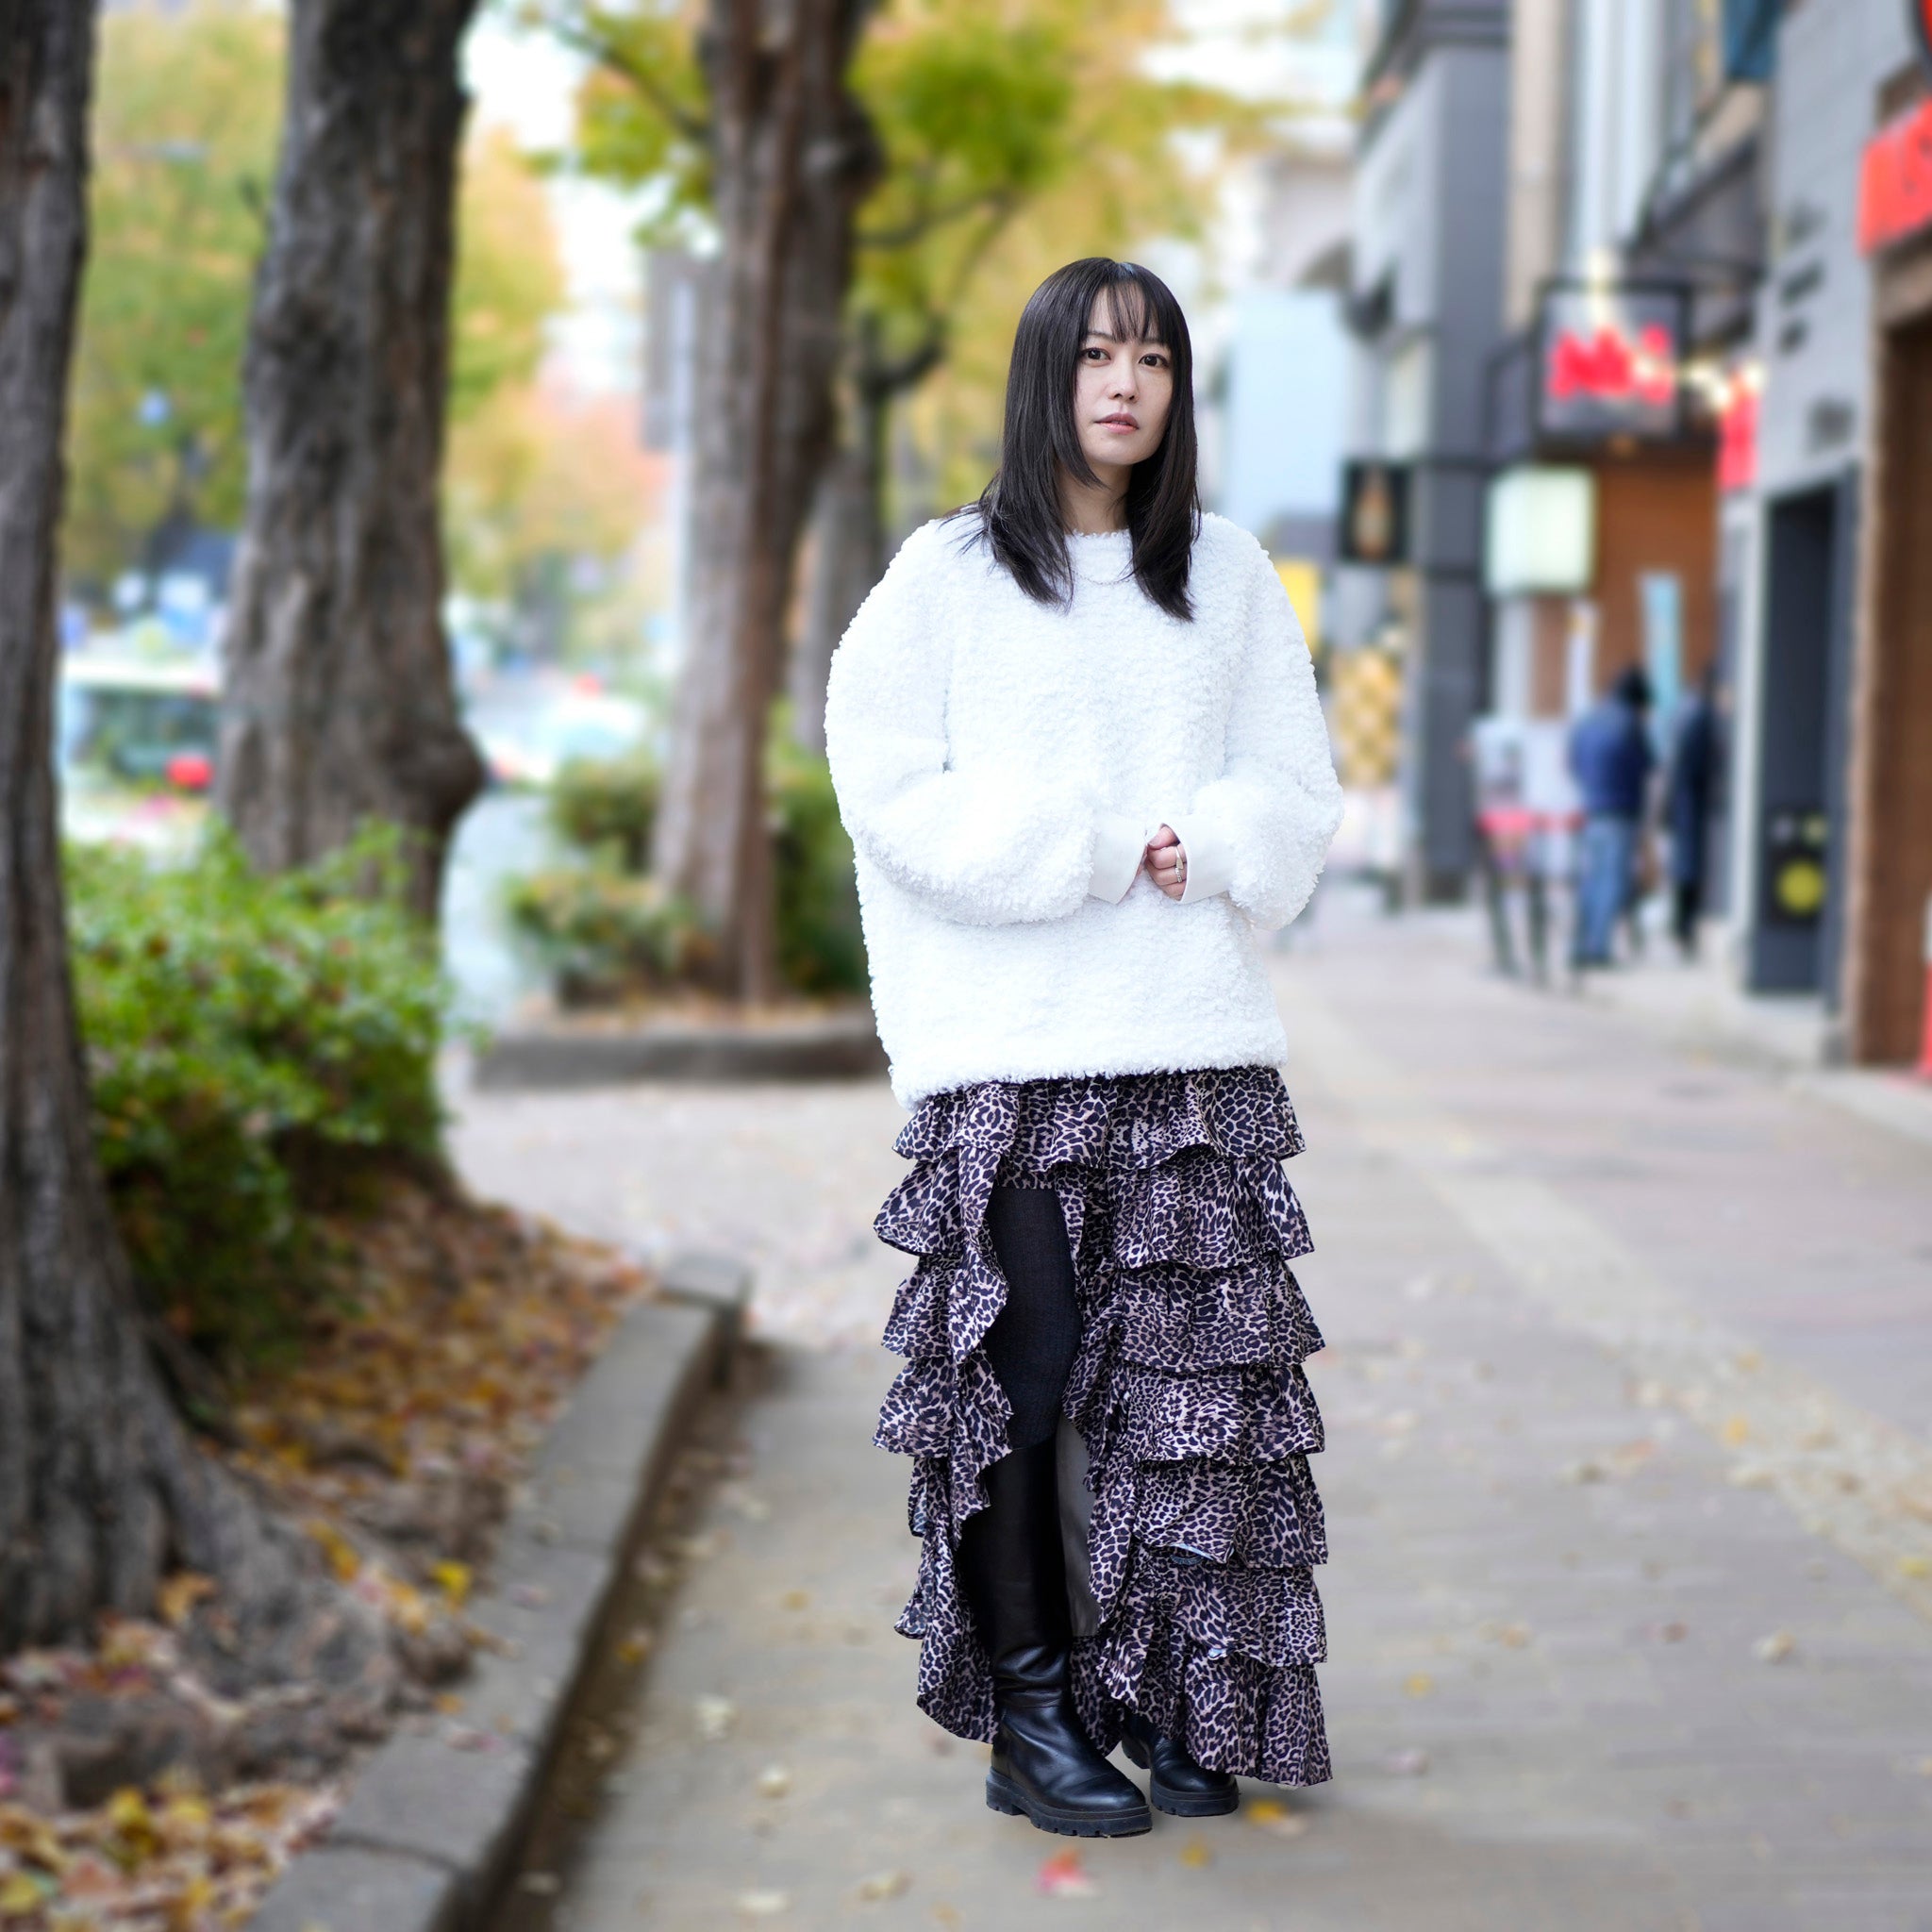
{"x": 1014, "y": 1579}
{"x": 1178, "y": 1784}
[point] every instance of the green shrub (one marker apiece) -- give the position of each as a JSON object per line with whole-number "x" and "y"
{"x": 602, "y": 933}
{"x": 252, "y": 1041}
{"x": 607, "y": 806}
{"x": 602, "y": 929}
{"x": 821, "y": 949}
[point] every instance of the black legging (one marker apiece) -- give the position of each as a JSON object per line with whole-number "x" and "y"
{"x": 1032, "y": 1341}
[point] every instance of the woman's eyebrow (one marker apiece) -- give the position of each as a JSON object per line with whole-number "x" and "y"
{"x": 1104, "y": 336}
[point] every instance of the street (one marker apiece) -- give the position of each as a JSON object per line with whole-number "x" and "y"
{"x": 1629, "y": 1496}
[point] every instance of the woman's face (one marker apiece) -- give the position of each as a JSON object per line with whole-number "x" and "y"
{"x": 1122, "y": 389}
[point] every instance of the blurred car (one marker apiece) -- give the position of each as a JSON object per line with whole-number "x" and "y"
{"x": 135, "y": 744}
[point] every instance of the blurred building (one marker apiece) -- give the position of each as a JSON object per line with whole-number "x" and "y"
{"x": 1837, "y": 695}
{"x": 1618, "y": 526}
{"x": 1707, "y": 433}
{"x": 1425, "y": 312}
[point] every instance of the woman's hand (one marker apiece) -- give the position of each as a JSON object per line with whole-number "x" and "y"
{"x": 1167, "y": 862}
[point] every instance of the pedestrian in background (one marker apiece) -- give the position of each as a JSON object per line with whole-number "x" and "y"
{"x": 1612, "y": 761}
{"x": 1688, "y": 788}
{"x": 1077, "y": 742}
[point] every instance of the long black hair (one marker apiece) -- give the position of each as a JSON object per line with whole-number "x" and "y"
{"x": 1019, "y": 513}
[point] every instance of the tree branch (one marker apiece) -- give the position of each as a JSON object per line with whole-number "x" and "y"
{"x": 614, "y": 61}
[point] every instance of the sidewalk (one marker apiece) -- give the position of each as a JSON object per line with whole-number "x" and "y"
{"x": 1698, "y": 1006}
{"x": 1614, "y": 1643}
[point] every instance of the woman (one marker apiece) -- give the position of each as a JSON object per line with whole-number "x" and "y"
{"x": 1077, "y": 743}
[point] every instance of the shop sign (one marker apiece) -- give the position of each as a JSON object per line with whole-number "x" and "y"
{"x": 1895, "y": 189}
{"x": 1374, "y": 513}
{"x": 1541, "y": 537}
{"x": 1737, "y": 437}
{"x": 1611, "y": 363}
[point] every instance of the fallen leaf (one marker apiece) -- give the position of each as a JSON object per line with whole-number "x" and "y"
{"x": 179, "y": 1593}
{"x": 1915, "y": 1566}
{"x": 20, "y": 1894}
{"x": 1419, "y": 1684}
{"x": 795, "y": 1599}
{"x": 637, "y": 1646}
{"x": 884, "y": 1885}
{"x": 1063, "y": 1876}
{"x": 1737, "y": 1431}
{"x": 763, "y": 1904}
{"x": 774, "y": 1781}
{"x": 1195, "y": 1854}
{"x": 1272, "y": 1815}
{"x": 454, "y": 1580}
{"x": 1776, "y": 1648}
{"x": 715, "y": 1715}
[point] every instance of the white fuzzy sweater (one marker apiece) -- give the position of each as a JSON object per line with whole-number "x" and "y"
{"x": 1000, "y": 764}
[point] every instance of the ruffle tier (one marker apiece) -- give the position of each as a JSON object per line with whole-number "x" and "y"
{"x": 1187, "y": 1391}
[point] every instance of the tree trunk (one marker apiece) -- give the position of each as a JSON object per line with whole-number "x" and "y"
{"x": 793, "y": 155}
{"x": 849, "y": 517}
{"x": 339, "y": 706}
{"x": 100, "y": 1487}
{"x": 849, "y": 558}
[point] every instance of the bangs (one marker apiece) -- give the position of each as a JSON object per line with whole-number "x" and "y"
{"x": 1130, "y": 314}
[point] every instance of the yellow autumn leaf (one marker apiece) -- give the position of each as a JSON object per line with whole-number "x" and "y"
{"x": 408, "y": 1609}
{"x": 1195, "y": 1855}
{"x": 1915, "y": 1566}
{"x": 19, "y": 1897}
{"x": 1419, "y": 1684}
{"x": 343, "y": 1555}
{"x": 185, "y": 1823}
{"x": 1737, "y": 1431}
{"x": 455, "y": 1579}
{"x": 186, "y": 1909}
{"x": 179, "y": 1593}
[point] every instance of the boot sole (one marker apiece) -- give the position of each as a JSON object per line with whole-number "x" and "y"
{"x": 1180, "y": 1804}
{"x": 1003, "y": 1795}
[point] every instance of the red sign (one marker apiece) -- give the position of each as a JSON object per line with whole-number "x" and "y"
{"x": 1737, "y": 437}
{"x": 1615, "y": 368}
{"x": 1895, "y": 192}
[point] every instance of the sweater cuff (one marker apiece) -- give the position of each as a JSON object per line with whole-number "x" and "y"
{"x": 1118, "y": 849}
{"x": 1211, "y": 857}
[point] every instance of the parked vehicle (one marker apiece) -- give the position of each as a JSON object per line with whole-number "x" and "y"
{"x": 137, "y": 741}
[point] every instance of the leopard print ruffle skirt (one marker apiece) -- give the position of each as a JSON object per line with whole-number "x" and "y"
{"x": 1187, "y": 1390}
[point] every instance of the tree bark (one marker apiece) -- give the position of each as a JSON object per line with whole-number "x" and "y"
{"x": 849, "y": 521}
{"x": 793, "y": 155}
{"x": 100, "y": 1487}
{"x": 339, "y": 704}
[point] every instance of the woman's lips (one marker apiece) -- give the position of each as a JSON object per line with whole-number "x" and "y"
{"x": 1117, "y": 423}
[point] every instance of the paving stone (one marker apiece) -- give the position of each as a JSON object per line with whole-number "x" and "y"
{"x": 1596, "y": 1776}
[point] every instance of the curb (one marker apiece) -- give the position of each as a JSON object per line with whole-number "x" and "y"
{"x": 435, "y": 1818}
{"x": 841, "y": 1046}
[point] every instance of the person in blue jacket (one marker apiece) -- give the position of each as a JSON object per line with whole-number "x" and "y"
{"x": 1611, "y": 758}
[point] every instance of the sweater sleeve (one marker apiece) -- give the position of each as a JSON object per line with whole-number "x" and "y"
{"x": 1260, "y": 831}
{"x": 985, "y": 850}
